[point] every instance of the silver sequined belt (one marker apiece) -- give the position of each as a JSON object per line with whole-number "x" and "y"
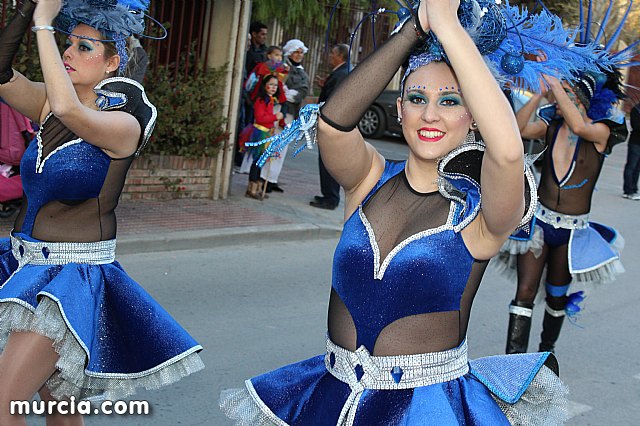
{"x": 48, "y": 253}
{"x": 561, "y": 220}
{"x": 360, "y": 369}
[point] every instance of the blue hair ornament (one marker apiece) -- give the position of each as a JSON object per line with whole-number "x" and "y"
{"x": 115, "y": 19}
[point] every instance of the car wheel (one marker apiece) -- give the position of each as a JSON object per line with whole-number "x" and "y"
{"x": 373, "y": 122}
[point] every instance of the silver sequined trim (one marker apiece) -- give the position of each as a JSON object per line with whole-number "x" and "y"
{"x": 379, "y": 270}
{"x": 417, "y": 370}
{"x": 445, "y": 188}
{"x": 49, "y": 253}
{"x": 569, "y": 174}
{"x": 154, "y": 112}
{"x": 411, "y": 371}
{"x": 40, "y": 161}
{"x": 107, "y": 93}
{"x": 561, "y": 220}
{"x": 533, "y": 194}
{"x": 263, "y": 407}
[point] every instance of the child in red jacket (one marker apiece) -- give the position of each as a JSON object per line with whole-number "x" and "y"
{"x": 273, "y": 65}
{"x": 267, "y": 114}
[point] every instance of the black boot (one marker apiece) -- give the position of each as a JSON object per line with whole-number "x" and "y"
{"x": 551, "y": 326}
{"x": 519, "y": 327}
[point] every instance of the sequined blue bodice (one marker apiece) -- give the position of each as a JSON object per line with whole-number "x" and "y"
{"x": 72, "y": 187}
{"x": 74, "y": 171}
{"x": 425, "y": 273}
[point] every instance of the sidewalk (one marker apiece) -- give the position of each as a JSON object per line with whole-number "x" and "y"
{"x": 145, "y": 226}
{"x": 193, "y": 223}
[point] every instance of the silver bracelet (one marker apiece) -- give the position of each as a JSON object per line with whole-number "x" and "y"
{"x": 43, "y": 27}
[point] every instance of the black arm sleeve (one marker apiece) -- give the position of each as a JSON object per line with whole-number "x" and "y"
{"x": 11, "y": 37}
{"x": 350, "y": 100}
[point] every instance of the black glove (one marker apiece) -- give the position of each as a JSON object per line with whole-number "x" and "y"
{"x": 11, "y": 37}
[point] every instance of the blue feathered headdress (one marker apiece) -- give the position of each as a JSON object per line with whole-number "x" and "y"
{"x": 112, "y": 17}
{"x": 115, "y": 19}
{"x": 511, "y": 37}
{"x": 598, "y": 92}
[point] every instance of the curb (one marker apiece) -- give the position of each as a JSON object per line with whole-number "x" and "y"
{"x": 204, "y": 239}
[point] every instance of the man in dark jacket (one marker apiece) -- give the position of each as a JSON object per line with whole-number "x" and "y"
{"x": 632, "y": 168}
{"x": 258, "y": 49}
{"x": 330, "y": 189}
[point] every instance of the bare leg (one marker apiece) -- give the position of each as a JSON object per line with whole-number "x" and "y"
{"x": 58, "y": 419}
{"x": 27, "y": 361}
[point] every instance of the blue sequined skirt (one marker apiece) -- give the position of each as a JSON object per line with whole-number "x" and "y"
{"x": 441, "y": 388}
{"x": 111, "y": 336}
{"x": 594, "y": 248}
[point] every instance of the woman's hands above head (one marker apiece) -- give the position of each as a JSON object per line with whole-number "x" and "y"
{"x": 437, "y": 15}
{"x": 552, "y": 81}
{"x": 46, "y": 11}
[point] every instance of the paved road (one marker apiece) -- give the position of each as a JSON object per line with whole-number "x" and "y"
{"x": 255, "y": 307}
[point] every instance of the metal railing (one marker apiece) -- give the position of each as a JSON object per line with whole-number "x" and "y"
{"x": 186, "y": 48}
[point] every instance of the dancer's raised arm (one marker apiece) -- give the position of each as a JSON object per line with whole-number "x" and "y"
{"x": 503, "y": 163}
{"x": 25, "y": 96}
{"x": 350, "y": 160}
{"x": 577, "y": 120}
{"x": 70, "y": 80}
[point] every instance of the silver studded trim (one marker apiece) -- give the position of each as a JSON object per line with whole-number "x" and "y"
{"x": 533, "y": 201}
{"x": 379, "y": 270}
{"x": 48, "y": 253}
{"x": 417, "y": 370}
{"x": 40, "y": 161}
{"x": 561, "y": 220}
{"x": 146, "y": 132}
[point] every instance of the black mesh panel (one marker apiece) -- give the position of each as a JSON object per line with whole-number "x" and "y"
{"x": 77, "y": 220}
{"x": 396, "y": 212}
{"x": 574, "y": 196}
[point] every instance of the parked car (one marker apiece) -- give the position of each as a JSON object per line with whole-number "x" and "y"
{"x": 381, "y": 117}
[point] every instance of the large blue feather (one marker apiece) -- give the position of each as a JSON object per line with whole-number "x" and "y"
{"x": 604, "y": 22}
{"x": 581, "y": 22}
{"x": 543, "y": 32}
{"x": 615, "y": 35}
{"x": 587, "y": 27}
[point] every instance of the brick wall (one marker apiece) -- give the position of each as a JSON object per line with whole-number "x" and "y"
{"x": 159, "y": 177}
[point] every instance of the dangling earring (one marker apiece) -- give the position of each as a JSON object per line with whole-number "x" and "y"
{"x": 474, "y": 126}
{"x": 399, "y": 119}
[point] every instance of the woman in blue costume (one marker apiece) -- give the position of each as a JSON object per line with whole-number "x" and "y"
{"x": 415, "y": 244}
{"x": 580, "y": 129}
{"x": 72, "y": 322}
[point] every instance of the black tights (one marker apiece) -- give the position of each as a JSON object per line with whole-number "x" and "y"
{"x": 530, "y": 269}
